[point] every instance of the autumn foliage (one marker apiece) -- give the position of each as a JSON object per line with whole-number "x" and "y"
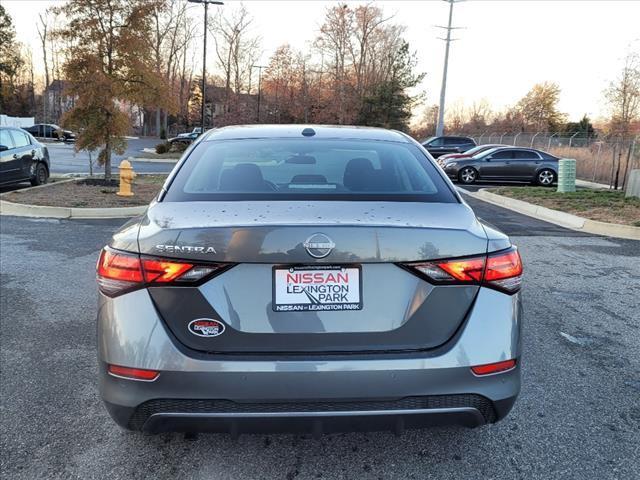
{"x": 108, "y": 66}
{"x": 359, "y": 71}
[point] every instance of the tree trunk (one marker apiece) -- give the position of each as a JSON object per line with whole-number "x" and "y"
{"x": 107, "y": 160}
{"x": 158, "y": 122}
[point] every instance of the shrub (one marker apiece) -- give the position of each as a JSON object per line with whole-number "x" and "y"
{"x": 179, "y": 147}
{"x": 163, "y": 147}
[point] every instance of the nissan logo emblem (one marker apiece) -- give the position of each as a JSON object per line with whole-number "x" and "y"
{"x": 319, "y": 245}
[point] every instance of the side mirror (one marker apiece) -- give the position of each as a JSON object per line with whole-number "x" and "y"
{"x": 488, "y": 159}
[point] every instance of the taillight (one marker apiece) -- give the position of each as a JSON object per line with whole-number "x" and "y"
{"x": 501, "y": 270}
{"x": 504, "y": 270}
{"x": 119, "y": 272}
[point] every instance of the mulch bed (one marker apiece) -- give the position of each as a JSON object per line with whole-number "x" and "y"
{"x": 89, "y": 193}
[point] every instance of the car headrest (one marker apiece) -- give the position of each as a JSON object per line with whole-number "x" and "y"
{"x": 357, "y": 174}
{"x": 243, "y": 177}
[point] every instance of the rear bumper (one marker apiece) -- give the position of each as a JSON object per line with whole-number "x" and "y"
{"x": 231, "y": 393}
{"x": 316, "y": 403}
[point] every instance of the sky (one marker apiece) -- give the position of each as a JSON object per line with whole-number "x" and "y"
{"x": 503, "y": 47}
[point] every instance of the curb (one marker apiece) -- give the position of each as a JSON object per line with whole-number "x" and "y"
{"x": 45, "y": 211}
{"x": 42, "y": 211}
{"x": 153, "y": 160}
{"x": 556, "y": 217}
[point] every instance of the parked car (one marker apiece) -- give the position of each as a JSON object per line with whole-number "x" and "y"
{"x": 50, "y": 130}
{"x": 437, "y": 146}
{"x": 186, "y": 138}
{"x": 505, "y": 163}
{"x": 469, "y": 153}
{"x": 315, "y": 278}
{"x": 22, "y": 158}
{"x": 193, "y": 133}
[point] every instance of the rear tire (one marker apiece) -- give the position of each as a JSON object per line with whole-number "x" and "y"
{"x": 468, "y": 175}
{"x": 545, "y": 177}
{"x": 41, "y": 175}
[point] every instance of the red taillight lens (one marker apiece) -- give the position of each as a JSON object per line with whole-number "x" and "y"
{"x": 119, "y": 272}
{"x": 494, "y": 367}
{"x": 502, "y": 270}
{"x": 464, "y": 270}
{"x": 133, "y": 373}
{"x": 163, "y": 271}
{"x": 119, "y": 266}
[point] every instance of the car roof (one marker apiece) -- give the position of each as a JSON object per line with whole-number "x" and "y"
{"x": 237, "y": 132}
{"x": 511, "y": 147}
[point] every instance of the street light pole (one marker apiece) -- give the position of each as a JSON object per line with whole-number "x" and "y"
{"x": 204, "y": 56}
{"x": 443, "y": 88}
{"x": 259, "y": 67}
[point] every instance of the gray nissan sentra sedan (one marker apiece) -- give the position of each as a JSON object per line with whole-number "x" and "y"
{"x": 308, "y": 278}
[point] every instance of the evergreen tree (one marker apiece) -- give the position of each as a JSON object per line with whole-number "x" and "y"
{"x": 389, "y": 105}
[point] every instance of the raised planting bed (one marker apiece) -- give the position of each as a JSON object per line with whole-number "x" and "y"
{"x": 601, "y": 205}
{"x": 89, "y": 193}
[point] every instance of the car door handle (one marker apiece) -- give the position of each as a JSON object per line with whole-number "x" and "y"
{"x": 15, "y": 156}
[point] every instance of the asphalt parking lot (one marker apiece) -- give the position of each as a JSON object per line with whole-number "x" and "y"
{"x": 65, "y": 160}
{"x": 578, "y": 415}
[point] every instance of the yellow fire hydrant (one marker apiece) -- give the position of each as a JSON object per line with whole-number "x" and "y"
{"x": 126, "y": 179}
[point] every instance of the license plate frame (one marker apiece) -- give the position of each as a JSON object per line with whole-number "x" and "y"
{"x": 335, "y": 289}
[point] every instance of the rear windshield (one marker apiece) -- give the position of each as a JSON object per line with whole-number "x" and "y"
{"x": 306, "y": 169}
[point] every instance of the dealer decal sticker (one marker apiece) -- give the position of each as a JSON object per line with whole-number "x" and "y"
{"x": 206, "y": 327}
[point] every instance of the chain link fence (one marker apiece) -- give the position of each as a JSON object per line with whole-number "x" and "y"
{"x": 606, "y": 159}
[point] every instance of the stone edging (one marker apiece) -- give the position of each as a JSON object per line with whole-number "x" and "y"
{"x": 556, "y": 217}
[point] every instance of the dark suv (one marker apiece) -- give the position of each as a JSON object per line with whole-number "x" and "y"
{"x": 22, "y": 158}
{"x": 437, "y": 146}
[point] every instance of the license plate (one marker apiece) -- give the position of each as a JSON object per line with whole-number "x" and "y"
{"x": 324, "y": 288}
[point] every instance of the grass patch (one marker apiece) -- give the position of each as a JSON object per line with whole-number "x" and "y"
{"x": 602, "y": 205}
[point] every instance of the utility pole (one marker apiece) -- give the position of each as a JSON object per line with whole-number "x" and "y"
{"x": 259, "y": 67}
{"x": 443, "y": 88}
{"x": 204, "y": 57}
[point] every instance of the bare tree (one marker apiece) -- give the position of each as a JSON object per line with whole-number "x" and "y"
{"x": 367, "y": 20}
{"x": 237, "y": 49}
{"x": 334, "y": 42}
{"x": 539, "y": 107}
{"x": 43, "y": 32}
{"x": 623, "y": 96}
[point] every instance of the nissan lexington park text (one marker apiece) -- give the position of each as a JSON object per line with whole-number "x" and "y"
{"x": 314, "y": 279}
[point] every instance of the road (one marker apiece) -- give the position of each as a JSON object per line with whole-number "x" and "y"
{"x": 65, "y": 160}
{"x": 578, "y": 415}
